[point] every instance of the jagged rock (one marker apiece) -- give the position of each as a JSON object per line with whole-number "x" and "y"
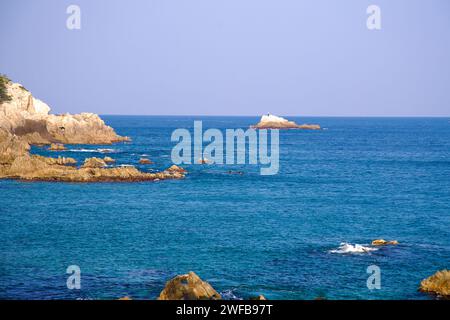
{"x": 57, "y": 147}
{"x": 273, "y": 122}
{"x": 60, "y": 160}
{"x": 175, "y": 168}
{"x": 94, "y": 163}
{"x": 188, "y": 287}
{"x": 109, "y": 160}
{"x": 438, "y": 283}
{"x": 11, "y": 147}
{"x": 125, "y": 298}
{"x": 145, "y": 161}
{"x": 382, "y": 242}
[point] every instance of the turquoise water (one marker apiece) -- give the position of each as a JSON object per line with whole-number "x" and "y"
{"x": 361, "y": 179}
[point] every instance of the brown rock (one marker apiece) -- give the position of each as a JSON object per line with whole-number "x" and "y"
{"x": 94, "y": 163}
{"x": 109, "y": 160}
{"x": 438, "y": 283}
{"x": 145, "y": 161}
{"x": 125, "y": 298}
{"x": 382, "y": 242}
{"x": 57, "y": 147}
{"x": 175, "y": 168}
{"x": 188, "y": 287}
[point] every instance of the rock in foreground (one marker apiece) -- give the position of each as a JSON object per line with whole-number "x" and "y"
{"x": 273, "y": 122}
{"x": 188, "y": 287}
{"x": 438, "y": 283}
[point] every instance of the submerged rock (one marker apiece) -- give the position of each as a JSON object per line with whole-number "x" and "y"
{"x": 188, "y": 287}
{"x": 438, "y": 284}
{"x": 273, "y": 122}
{"x": 382, "y": 242}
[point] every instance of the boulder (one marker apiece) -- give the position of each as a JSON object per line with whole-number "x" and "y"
{"x": 382, "y": 242}
{"x": 438, "y": 284}
{"x": 94, "y": 163}
{"x": 109, "y": 160}
{"x": 188, "y": 287}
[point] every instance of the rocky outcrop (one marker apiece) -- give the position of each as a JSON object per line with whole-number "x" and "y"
{"x": 273, "y": 122}
{"x": 25, "y": 120}
{"x": 176, "y": 169}
{"x": 29, "y": 118}
{"x": 438, "y": 284}
{"x": 188, "y": 287}
{"x": 94, "y": 163}
{"x": 38, "y": 168}
{"x": 382, "y": 242}
{"x": 145, "y": 161}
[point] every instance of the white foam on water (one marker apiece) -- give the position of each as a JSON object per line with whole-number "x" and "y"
{"x": 93, "y": 150}
{"x": 345, "y": 247}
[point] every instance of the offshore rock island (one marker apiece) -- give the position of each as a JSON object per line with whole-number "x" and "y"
{"x": 25, "y": 121}
{"x": 270, "y": 121}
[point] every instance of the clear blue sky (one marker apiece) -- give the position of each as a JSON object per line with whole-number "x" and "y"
{"x": 231, "y": 57}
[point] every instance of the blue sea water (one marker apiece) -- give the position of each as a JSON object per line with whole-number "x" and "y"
{"x": 358, "y": 180}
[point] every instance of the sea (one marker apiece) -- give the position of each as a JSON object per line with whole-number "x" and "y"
{"x": 303, "y": 233}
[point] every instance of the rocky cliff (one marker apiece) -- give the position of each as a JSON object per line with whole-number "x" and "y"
{"x": 29, "y": 118}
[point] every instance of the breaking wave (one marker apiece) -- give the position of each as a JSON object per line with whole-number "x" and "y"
{"x": 100, "y": 150}
{"x": 345, "y": 247}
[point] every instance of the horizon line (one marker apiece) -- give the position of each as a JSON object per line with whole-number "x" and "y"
{"x": 303, "y": 116}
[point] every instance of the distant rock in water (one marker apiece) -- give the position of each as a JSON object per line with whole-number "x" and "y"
{"x": 270, "y": 121}
{"x": 260, "y": 297}
{"x": 175, "y": 168}
{"x": 57, "y": 147}
{"x": 145, "y": 161}
{"x": 438, "y": 284}
{"x": 382, "y": 242}
{"x": 29, "y": 118}
{"x": 188, "y": 287}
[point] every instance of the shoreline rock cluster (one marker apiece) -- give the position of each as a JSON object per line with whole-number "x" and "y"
{"x": 25, "y": 120}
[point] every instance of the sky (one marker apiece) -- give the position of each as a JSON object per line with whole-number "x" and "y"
{"x": 231, "y": 57}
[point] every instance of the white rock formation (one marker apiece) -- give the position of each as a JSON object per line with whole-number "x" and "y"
{"x": 270, "y": 121}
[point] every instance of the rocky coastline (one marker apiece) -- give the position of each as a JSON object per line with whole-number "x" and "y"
{"x": 26, "y": 121}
